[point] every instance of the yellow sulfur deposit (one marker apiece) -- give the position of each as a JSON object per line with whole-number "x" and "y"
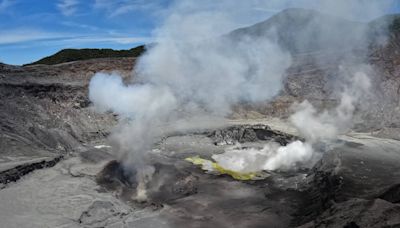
{"x": 211, "y": 166}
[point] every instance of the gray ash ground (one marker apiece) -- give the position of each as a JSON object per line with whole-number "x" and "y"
{"x": 187, "y": 197}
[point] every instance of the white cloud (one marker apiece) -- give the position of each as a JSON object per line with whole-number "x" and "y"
{"x": 80, "y": 25}
{"x": 5, "y": 4}
{"x": 24, "y": 35}
{"x": 68, "y": 7}
{"x": 121, "y": 7}
{"x": 101, "y": 39}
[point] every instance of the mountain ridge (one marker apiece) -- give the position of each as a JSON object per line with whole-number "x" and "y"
{"x": 284, "y": 27}
{"x": 303, "y": 30}
{"x": 70, "y": 55}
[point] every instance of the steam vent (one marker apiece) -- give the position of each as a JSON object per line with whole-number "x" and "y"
{"x": 200, "y": 114}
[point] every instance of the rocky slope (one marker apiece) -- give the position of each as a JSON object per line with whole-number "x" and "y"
{"x": 304, "y": 31}
{"x": 46, "y": 113}
{"x": 317, "y": 61}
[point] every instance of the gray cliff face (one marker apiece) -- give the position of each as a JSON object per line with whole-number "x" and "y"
{"x": 45, "y": 109}
{"x": 303, "y": 31}
{"x": 318, "y": 57}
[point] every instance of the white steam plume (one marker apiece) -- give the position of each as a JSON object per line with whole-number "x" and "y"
{"x": 176, "y": 79}
{"x": 314, "y": 126}
{"x": 194, "y": 71}
{"x": 136, "y": 101}
{"x": 271, "y": 157}
{"x": 326, "y": 125}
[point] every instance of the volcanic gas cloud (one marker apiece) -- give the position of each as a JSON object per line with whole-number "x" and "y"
{"x": 196, "y": 70}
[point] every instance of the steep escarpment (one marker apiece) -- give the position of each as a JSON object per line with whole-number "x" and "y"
{"x": 304, "y": 31}
{"x": 46, "y": 112}
{"x": 318, "y": 61}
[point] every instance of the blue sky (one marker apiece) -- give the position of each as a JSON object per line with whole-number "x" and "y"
{"x": 32, "y": 29}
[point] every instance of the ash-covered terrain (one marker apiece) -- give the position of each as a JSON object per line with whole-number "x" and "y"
{"x": 76, "y": 152}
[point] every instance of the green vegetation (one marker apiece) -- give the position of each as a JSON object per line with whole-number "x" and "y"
{"x": 69, "y": 55}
